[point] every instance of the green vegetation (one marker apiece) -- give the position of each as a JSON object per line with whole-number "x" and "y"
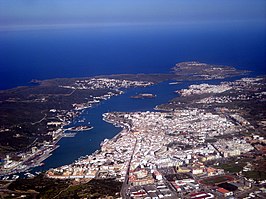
{"x": 216, "y": 180}
{"x": 40, "y": 185}
{"x": 178, "y": 176}
{"x": 255, "y": 175}
{"x": 232, "y": 167}
{"x": 46, "y": 188}
{"x": 93, "y": 189}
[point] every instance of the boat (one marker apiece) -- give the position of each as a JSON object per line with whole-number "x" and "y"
{"x": 29, "y": 175}
{"x": 14, "y": 177}
{"x": 6, "y": 178}
{"x": 81, "y": 120}
{"x": 173, "y": 83}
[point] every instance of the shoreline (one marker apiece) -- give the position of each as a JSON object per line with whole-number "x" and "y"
{"x": 61, "y": 132}
{"x": 78, "y": 84}
{"x": 52, "y": 146}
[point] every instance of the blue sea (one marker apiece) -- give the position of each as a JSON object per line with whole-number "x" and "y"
{"x": 89, "y": 51}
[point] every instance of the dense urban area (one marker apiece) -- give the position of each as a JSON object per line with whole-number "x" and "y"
{"x": 185, "y": 153}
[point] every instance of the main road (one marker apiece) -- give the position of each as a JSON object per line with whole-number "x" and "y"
{"x": 125, "y": 186}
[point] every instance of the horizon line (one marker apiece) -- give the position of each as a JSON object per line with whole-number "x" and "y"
{"x": 55, "y": 26}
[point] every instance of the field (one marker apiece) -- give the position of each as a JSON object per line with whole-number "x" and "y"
{"x": 211, "y": 181}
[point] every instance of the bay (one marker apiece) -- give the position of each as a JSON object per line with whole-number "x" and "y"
{"x": 87, "y": 142}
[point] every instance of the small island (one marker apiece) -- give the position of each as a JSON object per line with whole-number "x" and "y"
{"x": 143, "y": 96}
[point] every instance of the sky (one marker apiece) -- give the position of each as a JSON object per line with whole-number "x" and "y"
{"x": 104, "y": 12}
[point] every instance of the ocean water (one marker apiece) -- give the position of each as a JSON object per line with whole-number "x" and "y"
{"x": 88, "y": 51}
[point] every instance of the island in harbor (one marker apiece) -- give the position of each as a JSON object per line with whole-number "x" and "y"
{"x": 143, "y": 96}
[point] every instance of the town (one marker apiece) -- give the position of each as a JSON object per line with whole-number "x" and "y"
{"x": 198, "y": 145}
{"x": 184, "y": 153}
{"x": 164, "y": 154}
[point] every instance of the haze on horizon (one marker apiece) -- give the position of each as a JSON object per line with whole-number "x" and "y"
{"x": 22, "y": 13}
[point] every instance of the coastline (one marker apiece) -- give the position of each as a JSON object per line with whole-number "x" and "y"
{"x": 60, "y": 132}
{"x": 81, "y": 84}
{"x": 181, "y": 129}
{"x": 52, "y": 147}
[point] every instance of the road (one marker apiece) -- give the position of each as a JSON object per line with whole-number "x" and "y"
{"x": 125, "y": 186}
{"x": 33, "y": 123}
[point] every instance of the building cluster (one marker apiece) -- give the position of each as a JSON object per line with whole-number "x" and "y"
{"x": 95, "y": 99}
{"x": 106, "y": 83}
{"x": 31, "y": 158}
{"x": 234, "y": 147}
{"x": 102, "y": 83}
{"x": 152, "y": 142}
{"x": 227, "y": 98}
{"x": 153, "y": 190}
{"x": 255, "y": 85}
{"x": 199, "y": 89}
{"x": 247, "y": 83}
{"x": 205, "y": 71}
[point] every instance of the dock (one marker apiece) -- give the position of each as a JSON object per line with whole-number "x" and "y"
{"x": 69, "y": 135}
